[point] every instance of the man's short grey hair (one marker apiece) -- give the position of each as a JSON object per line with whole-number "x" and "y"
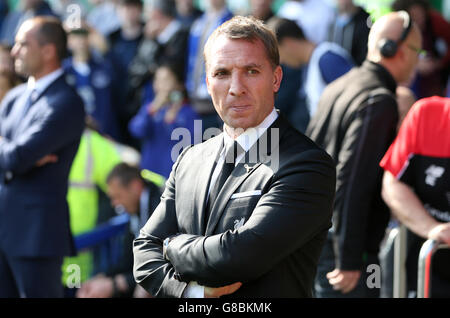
{"x": 248, "y": 29}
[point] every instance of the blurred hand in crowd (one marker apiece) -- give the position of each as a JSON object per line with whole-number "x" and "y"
{"x": 345, "y": 281}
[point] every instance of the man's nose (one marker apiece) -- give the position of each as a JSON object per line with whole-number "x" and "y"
{"x": 14, "y": 51}
{"x": 237, "y": 85}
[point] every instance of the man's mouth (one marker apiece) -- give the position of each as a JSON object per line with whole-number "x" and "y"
{"x": 239, "y": 108}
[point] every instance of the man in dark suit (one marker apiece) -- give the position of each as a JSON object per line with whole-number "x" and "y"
{"x": 258, "y": 230}
{"x": 40, "y": 127}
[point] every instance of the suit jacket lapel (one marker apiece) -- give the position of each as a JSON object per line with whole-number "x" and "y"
{"x": 266, "y": 145}
{"x": 207, "y": 159}
{"x": 25, "y": 121}
{"x": 236, "y": 178}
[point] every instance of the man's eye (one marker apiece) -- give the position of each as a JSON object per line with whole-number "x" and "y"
{"x": 253, "y": 71}
{"x": 220, "y": 73}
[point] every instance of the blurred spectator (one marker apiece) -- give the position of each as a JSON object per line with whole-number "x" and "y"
{"x": 139, "y": 197}
{"x": 165, "y": 41}
{"x": 313, "y": 16}
{"x": 156, "y": 121}
{"x": 415, "y": 186}
{"x": 8, "y": 76}
{"x": 323, "y": 63}
{"x": 187, "y": 13}
{"x": 290, "y": 98}
{"x": 29, "y": 9}
{"x": 4, "y": 9}
{"x": 93, "y": 79}
{"x": 41, "y": 123}
{"x": 261, "y": 9}
{"x": 350, "y": 29}
{"x": 355, "y": 123}
{"x": 216, "y": 13}
{"x": 124, "y": 45}
{"x": 8, "y": 80}
{"x": 287, "y": 98}
{"x": 433, "y": 68}
{"x": 6, "y": 60}
{"x": 95, "y": 158}
{"x": 104, "y": 17}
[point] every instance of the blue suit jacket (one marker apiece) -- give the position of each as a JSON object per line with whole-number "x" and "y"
{"x": 34, "y": 215}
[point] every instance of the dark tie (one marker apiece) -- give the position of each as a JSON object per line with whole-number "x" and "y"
{"x": 228, "y": 166}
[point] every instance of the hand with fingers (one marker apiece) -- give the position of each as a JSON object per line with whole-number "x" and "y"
{"x": 345, "y": 281}
{"x": 210, "y": 292}
{"x": 47, "y": 159}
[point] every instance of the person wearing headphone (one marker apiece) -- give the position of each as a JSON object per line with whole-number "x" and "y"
{"x": 355, "y": 123}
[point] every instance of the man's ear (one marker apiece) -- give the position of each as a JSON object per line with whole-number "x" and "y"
{"x": 277, "y": 77}
{"x": 49, "y": 52}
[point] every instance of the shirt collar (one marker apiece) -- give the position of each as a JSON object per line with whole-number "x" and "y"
{"x": 249, "y": 137}
{"x": 41, "y": 84}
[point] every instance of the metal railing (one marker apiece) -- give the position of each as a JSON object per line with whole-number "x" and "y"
{"x": 105, "y": 242}
{"x": 399, "y": 285}
{"x": 429, "y": 248}
{"x": 103, "y": 232}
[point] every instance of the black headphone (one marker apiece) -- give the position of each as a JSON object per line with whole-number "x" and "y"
{"x": 388, "y": 48}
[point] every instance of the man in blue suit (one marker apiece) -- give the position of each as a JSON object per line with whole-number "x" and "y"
{"x": 40, "y": 127}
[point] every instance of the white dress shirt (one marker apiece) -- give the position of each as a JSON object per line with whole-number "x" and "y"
{"x": 41, "y": 84}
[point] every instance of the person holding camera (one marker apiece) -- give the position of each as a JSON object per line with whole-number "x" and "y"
{"x": 155, "y": 121}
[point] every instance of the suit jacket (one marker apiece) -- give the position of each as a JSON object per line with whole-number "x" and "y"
{"x": 34, "y": 216}
{"x": 266, "y": 228}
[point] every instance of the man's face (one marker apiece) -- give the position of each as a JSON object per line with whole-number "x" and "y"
{"x": 216, "y": 4}
{"x": 27, "y": 52}
{"x": 125, "y": 196}
{"x": 130, "y": 14}
{"x": 412, "y": 45}
{"x": 31, "y": 4}
{"x": 154, "y": 25}
{"x": 241, "y": 81}
{"x": 164, "y": 81}
{"x": 260, "y": 8}
{"x": 78, "y": 43}
{"x": 288, "y": 52}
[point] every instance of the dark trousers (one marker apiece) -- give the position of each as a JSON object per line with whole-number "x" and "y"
{"x": 30, "y": 277}
{"x": 323, "y": 289}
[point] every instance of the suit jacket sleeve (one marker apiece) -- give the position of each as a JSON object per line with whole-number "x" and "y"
{"x": 151, "y": 270}
{"x": 62, "y": 123}
{"x": 294, "y": 208}
{"x": 367, "y": 138}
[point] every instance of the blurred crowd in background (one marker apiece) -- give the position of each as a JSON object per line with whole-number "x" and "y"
{"x": 139, "y": 68}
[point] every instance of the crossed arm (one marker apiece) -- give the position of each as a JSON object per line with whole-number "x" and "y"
{"x": 296, "y": 206}
{"x": 38, "y": 144}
